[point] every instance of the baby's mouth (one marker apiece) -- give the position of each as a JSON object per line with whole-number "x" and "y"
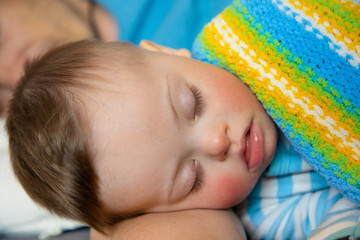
{"x": 247, "y": 152}
{"x": 253, "y": 152}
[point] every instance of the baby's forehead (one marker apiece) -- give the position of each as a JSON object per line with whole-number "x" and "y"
{"x": 112, "y": 67}
{"x": 115, "y": 57}
{"x": 110, "y": 77}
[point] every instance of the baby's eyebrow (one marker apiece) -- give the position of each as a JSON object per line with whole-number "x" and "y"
{"x": 0, "y": 38}
{"x": 170, "y": 185}
{"x": 173, "y": 110}
{"x": 177, "y": 123}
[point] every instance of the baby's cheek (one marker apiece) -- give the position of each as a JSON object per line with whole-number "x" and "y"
{"x": 228, "y": 191}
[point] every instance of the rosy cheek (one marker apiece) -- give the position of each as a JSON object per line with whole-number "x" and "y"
{"x": 228, "y": 191}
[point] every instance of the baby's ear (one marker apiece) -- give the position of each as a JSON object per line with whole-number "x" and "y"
{"x": 148, "y": 45}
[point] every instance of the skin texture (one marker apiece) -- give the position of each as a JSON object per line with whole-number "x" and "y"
{"x": 28, "y": 28}
{"x": 155, "y": 148}
{"x": 191, "y": 225}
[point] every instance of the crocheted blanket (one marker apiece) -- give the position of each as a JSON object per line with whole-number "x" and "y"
{"x": 301, "y": 58}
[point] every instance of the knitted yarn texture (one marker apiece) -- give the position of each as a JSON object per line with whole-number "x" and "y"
{"x": 301, "y": 58}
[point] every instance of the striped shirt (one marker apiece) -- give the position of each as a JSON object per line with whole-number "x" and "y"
{"x": 291, "y": 201}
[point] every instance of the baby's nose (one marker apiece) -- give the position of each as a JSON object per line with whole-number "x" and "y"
{"x": 217, "y": 142}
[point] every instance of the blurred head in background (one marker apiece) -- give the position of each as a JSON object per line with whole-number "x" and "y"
{"x": 28, "y": 28}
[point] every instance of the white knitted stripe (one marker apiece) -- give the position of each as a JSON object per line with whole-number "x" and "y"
{"x": 238, "y": 47}
{"x": 343, "y": 51}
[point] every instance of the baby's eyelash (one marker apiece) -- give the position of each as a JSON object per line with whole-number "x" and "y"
{"x": 198, "y": 179}
{"x": 198, "y": 101}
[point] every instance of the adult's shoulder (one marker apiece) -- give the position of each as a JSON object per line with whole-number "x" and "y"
{"x": 191, "y": 224}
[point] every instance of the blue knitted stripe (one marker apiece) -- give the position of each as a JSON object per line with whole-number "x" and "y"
{"x": 291, "y": 35}
{"x": 269, "y": 30}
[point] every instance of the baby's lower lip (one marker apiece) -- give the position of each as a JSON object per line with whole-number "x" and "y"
{"x": 253, "y": 147}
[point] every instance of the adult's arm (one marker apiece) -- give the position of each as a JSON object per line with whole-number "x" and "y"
{"x": 192, "y": 224}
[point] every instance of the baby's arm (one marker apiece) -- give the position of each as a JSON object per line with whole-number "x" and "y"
{"x": 191, "y": 224}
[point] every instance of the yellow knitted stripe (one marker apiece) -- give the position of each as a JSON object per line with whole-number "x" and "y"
{"x": 316, "y": 89}
{"x": 257, "y": 58}
{"x": 340, "y": 11}
{"x": 343, "y": 31}
{"x": 268, "y": 56}
{"x": 350, "y": 6}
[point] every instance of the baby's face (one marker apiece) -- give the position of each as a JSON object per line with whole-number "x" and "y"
{"x": 177, "y": 134}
